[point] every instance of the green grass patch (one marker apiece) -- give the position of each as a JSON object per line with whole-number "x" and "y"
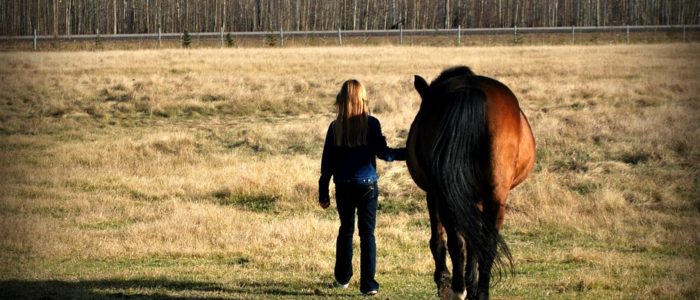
{"x": 253, "y": 202}
{"x": 584, "y": 187}
{"x": 106, "y": 225}
{"x": 392, "y": 205}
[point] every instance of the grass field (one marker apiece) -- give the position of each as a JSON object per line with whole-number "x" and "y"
{"x": 192, "y": 173}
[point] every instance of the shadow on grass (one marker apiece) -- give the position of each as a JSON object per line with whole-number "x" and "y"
{"x": 144, "y": 288}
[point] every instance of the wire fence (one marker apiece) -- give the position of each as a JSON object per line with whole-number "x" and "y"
{"x": 399, "y": 36}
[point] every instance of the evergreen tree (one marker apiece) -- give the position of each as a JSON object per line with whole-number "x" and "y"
{"x": 186, "y": 39}
{"x": 229, "y": 40}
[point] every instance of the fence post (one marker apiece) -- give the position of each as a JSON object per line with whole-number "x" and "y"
{"x": 573, "y": 34}
{"x": 515, "y": 34}
{"x": 340, "y": 38}
{"x": 400, "y": 34}
{"x": 281, "y": 36}
{"x": 159, "y": 34}
{"x": 222, "y": 36}
{"x": 627, "y": 34}
{"x": 684, "y": 33}
{"x": 459, "y": 35}
{"x": 34, "y": 40}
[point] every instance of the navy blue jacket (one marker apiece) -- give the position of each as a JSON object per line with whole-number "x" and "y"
{"x": 354, "y": 164}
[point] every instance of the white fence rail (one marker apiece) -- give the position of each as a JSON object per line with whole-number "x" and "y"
{"x": 458, "y": 33}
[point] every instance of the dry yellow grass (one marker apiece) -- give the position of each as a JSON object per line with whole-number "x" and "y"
{"x": 168, "y": 172}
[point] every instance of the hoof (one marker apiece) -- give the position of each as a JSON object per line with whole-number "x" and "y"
{"x": 457, "y": 296}
{"x": 482, "y": 296}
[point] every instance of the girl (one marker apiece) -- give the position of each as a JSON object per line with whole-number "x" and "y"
{"x": 353, "y": 141}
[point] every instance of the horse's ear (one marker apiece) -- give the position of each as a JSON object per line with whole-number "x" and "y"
{"x": 421, "y": 86}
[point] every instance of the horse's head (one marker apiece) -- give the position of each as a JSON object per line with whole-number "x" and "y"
{"x": 447, "y": 81}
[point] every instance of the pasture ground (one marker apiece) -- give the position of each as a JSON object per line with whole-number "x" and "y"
{"x": 192, "y": 173}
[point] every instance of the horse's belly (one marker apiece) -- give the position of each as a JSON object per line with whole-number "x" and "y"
{"x": 526, "y": 153}
{"x": 413, "y": 161}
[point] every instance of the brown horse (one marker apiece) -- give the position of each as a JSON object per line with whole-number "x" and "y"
{"x": 469, "y": 145}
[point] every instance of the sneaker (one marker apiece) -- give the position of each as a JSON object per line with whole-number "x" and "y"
{"x": 371, "y": 293}
{"x": 341, "y": 285}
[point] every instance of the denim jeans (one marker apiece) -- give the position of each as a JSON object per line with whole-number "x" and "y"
{"x": 363, "y": 199}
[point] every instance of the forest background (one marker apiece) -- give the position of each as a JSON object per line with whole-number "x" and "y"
{"x": 68, "y": 17}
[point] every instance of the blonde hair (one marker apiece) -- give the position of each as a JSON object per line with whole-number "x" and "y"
{"x": 351, "y": 122}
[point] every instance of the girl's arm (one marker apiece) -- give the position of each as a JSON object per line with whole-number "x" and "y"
{"x": 381, "y": 149}
{"x": 326, "y": 166}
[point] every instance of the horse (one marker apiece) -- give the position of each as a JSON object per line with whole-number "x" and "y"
{"x": 468, "y": 146}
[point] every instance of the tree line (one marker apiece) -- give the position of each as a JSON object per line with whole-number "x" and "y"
{"x": 67, "y": 17}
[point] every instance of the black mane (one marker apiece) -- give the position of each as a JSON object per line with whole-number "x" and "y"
{"x": 453, "y": 72}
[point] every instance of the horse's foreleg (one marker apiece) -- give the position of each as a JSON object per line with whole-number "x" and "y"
{"x": 438, "y": 245}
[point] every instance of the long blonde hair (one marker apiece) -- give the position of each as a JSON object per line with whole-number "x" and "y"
{"x": 351, "y": 122}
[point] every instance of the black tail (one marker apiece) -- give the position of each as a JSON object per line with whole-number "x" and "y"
{"x": 462, "y": 174}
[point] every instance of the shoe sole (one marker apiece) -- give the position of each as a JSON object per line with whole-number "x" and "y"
{"x": 342, "y": 286}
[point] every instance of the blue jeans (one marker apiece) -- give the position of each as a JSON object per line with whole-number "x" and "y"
{"x": 363, "y": 198}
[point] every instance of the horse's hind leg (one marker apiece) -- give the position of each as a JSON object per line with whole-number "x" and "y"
{"x": 494, "y": 215}
{"x": 485, "y": 276}
{"x": 470, "y": 274}
{"x": 457, "y": 248}
{"x": 438, "y": 246}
